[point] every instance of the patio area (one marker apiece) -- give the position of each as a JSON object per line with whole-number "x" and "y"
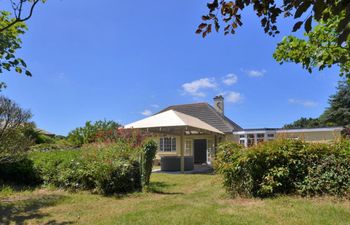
{"x": 198, "y": 169}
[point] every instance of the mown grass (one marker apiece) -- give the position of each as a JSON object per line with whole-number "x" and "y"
{"x": 174, "y": 199}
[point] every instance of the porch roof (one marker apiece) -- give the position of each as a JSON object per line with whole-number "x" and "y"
{"x": 172, "y": 118}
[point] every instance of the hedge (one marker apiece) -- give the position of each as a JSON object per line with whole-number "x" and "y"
{"x": 104, "y": 169}
{"x": 101, "y": 168}
{"x": 285, "y": 167}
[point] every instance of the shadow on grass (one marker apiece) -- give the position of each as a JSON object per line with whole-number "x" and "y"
{"x": 160, "y": 187}
{"x": 19, "y": 211}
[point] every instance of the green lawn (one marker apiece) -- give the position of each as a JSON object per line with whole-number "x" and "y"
{"x": 175, "y": 199}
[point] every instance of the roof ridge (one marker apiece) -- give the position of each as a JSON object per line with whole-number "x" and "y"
{"x": 197, "y": 103}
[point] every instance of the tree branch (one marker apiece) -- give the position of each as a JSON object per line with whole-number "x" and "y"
{"x": 18, "y": 19}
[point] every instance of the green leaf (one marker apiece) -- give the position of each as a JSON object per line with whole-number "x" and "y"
{"x": 18, "y": 69}
{"x": 297, "y": 26}
{"x": 307, "y": 24}
{"x": 302, "y": 8}
{"x": 29, "y": 74}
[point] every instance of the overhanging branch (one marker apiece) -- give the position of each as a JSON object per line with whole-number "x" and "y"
{"x": 18, "y": 18}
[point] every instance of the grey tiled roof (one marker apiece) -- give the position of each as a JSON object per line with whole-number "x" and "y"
{"x": 208, "y": 114}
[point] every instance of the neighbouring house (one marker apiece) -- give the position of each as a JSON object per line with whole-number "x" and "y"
{"x": 188, "y": 134}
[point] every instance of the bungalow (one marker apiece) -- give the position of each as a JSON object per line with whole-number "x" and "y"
{"x": 188, "y": 134}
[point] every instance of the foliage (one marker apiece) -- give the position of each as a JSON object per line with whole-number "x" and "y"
{"x": 149, "y": 153}
{"x": 321, "y": 48}
{"x": 19, "y": 171}
{"x": 89, "y": 133}
{"x": 11, "y": 27}
{"x": 229, "y": 13}
{"x": 346, "y": 132}
{"x": 18, "y": 8}
{"x": 338, "y": 112}
{"x": 330, "y": 176}
{"x": 104, "y": 169}
{"x": 58, "y": 144}
{"x": 133, "y": 137}
{"x": 305, "y": 123}
{"x": 15, "y": 130}
{"x": 10, "y": 43}
{"x": 286, "y": 167}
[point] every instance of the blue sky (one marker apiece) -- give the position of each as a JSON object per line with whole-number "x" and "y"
{"x": 122, "y": 60}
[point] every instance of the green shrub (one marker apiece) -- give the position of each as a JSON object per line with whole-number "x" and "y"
{"x": 148, "y": 153}
{"x": 285, "y": 167}
{"x": 60, "y": 144}
{"x": 104, "y": 169}
{"x": 19, "y": 171}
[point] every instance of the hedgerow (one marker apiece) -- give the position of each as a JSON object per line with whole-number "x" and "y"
{"x": 99, "y": 167}
{"x": 285, "y": 167}
{"x": 104, "y": 169}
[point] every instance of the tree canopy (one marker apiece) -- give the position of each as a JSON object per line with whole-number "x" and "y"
{"x": 89, "y": 132}
{"x": 229, "y": 13}
{"x": 338, "y": 112}
{"x": 326, "y": 22}
{"x": 12, "y": 26}
{"x": 319, "y": 50}
{"x": 22, "y": 10}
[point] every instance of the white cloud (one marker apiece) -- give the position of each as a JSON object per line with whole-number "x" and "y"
{"x": 194, "y": 88}
{"x": 255, "y": 73}
{"x": 230, "y": 79}
{"x": 146, "y": 112}
{"x": 233, "y": 97}
{"x": 305, "y": 103}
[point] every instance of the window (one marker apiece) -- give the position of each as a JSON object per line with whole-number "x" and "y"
{"x": 242, "y": 136}
{"x": 188, "y": 147}
{"x": 167, "y": 144}
{"x": 270, "y": 135}
{"x": 242, "y": 142}
{"x": 210, "y": 151}
{"x": 250, "y": 140}
{"x": 260, "y": 135}
{"x": 260, "y": 138}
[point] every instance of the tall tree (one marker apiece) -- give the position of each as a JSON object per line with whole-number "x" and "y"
{"x": 14, "y": 123}
{"x": 338, "y": 112}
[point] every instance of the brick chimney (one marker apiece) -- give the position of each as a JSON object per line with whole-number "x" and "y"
{"x": 219, "y": 104}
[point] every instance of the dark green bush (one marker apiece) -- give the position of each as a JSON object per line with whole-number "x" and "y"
{"x": 19, "y": 171}
{"x": 149, "y": 151}
{"x": 285, "y": 167}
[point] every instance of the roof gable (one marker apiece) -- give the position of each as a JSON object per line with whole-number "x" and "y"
{"x": 172, "y": 118}
{"x": 208, "y": 114}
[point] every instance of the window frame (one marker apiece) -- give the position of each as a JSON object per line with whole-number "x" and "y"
{"x": 167, "y": 147}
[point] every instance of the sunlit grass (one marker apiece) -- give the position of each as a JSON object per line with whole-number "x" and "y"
{"x": 173, "y": 199}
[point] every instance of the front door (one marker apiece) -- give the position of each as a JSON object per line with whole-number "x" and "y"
{"x": 200, "y": 150}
